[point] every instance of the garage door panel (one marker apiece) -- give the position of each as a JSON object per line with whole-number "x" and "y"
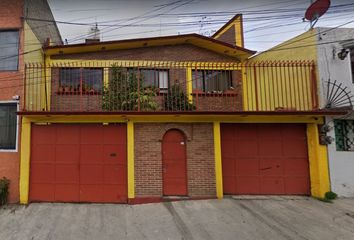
{"x": 67, "y": 173}
{"x": 43, "y": 153}
{"x": 296, "y": 148}
{"x": 271, "y": 166}
{"x": 296, "y": 167}
{"x": 42, "y": 134}
{"x": 265, "y": 159}
{"x": 91, "y": 193}
{"x": 113, "y": 193}
{"x": 42, "y": 192}
{"x": 114, "y": 154}
{"x": 91, "y": 174}
{"x": 82, "y": 162}
{"x": 229, "y": 184}
{"x": 67, "y": 134}
{"x": 270, "y": 148}
{"x": 110, "y": 134}
{"x": 247, "y": 185}
{"x": 247, "y": 148}
{"x": 67, "y": 193}
{"x": 246, "y": 166}
{"x": 91, "y": 134}
{"x": 297, "y": 185}
{"x": 67, "y": 153}
{"x": 45, "y": 173}
{"x": 272, "y": 185}
{"x": 91, "y": 153}
{"x": 228, "y": 167}
{"x": 115, "y": 174}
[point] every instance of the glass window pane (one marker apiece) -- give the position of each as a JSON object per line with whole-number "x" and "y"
{"x": 163, "y": 79}
{"x": 197, "y": 79}
{"x": 92, "y": 79}
{"x": 9, "y": 43}
{"x": 8, "y": 126}
{"x": 70, "y": 78}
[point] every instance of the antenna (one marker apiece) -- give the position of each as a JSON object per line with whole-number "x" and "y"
{"x": 316, "y": 10}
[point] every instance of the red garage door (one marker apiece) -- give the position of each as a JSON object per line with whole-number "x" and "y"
{"x": 265, "y": 159}
{"x": 78, "y": 163}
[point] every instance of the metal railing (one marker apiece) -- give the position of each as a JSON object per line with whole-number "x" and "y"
{"x": 170, "y": 87}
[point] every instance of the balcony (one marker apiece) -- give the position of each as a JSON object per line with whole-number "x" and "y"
{"x": 170, "y": 87}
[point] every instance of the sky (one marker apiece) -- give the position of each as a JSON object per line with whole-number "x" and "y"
{"x": 266, "y": 22}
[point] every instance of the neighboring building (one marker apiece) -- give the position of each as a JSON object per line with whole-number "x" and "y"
{"x": 20, "y": 42}
{"x": 333, "y": 51}
{"x": 142, "y": 120}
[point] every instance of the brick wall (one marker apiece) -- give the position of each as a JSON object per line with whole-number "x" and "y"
{"x": 228, "y": 36}
{"x": 11, "y": 83}
{"x": 200, "y": 158}
{"x": 183, "y": 52}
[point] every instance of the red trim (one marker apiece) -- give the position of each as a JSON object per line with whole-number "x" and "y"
{"x": 193, "y": 35}
{"x": 213, "y": 113}
{"x": 145, "y": 200}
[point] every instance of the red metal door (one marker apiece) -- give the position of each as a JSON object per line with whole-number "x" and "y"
{"x": 265, "y": 159}
{"x": 78, "y": 163}
{"x": 174, "y": 164}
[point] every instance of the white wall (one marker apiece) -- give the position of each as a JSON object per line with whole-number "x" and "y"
{"x": 341, "y": 163}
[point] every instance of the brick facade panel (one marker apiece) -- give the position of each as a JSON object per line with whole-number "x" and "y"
{"x": 200, "y": 158}
{"x": 179, "y": 53}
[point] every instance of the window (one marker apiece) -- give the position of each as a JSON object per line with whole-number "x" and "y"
{"x": 8, "y": 126}
{"x": 344, "y": 132}
{"x": 9, "y": 45}
{"x": 70, "y": 79}
{"x": 157, "y": 78}
{"x": 211, "y": 81}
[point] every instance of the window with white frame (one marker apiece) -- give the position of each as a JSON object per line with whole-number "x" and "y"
{"x": 9, "y": 50}
{"x": 344, "y": 133}
{"x": 156, "y": 78}
{"x": 8, "y": 126}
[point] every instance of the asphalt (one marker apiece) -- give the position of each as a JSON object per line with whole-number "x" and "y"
{"x": 242, "y": 218}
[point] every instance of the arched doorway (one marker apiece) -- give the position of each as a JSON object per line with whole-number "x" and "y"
{"x": 174, "y": 164}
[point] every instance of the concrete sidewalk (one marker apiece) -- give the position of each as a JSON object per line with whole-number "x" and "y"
{"x": 279, "y": 218}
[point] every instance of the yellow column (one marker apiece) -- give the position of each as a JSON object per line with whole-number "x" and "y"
{"x": 218, "y": 164}
{"x": 189, "y": 84}
{"x": 131, "y": 176}
{"x": 25, "y": 160}
{"x": 318, "y": 159}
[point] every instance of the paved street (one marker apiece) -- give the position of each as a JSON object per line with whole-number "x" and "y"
{"x": 276, "y": 218}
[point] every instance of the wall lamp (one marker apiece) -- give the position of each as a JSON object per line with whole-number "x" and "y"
{"x": 343, "y": 54}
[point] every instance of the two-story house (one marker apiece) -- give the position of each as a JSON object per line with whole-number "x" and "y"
{"x": 20, "y": 42}
{"x": 187, "y": 116}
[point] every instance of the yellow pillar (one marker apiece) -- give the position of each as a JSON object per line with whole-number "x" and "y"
{"x": 218, "y": 164}
{"x": 318, "y": 159}
{"x": 131, "y": 176}
{"x": 189, "y": 84}
{"x": 25, "y": 160}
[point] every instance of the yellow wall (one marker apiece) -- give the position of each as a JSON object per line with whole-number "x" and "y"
{"x": 319, "y": 174}
{"x": 35, "y": 85}
{"x": 281, "y": 86}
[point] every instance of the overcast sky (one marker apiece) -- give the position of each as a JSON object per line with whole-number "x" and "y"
{"x": 266, "y": 22}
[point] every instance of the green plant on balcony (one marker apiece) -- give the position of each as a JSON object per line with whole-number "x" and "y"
{"x": 126, "y": 92}
{"x": 4, "y": 190}
{"x": 176, "y": 100}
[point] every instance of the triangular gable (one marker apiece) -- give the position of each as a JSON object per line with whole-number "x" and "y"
{"x": 231, "y": 32}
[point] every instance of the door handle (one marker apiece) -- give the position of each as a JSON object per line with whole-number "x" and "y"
{"x": 267, "y": 168}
